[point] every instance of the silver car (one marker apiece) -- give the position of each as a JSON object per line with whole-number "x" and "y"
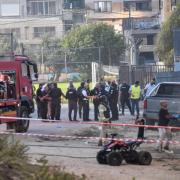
{"x": 168, "y": 91}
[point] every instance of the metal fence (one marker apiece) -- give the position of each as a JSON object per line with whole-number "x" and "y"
{"x": 144, "y": 74}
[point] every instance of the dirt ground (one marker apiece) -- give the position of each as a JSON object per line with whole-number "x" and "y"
{"x": 79, "y": 156}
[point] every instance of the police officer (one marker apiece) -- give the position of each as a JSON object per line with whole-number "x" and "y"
{"x": 38, "y": 95}
{"x": 55, "y": 95}
{"x": 43, "y": 101}
{"x": 95, "y": 92}
{"x": 72, "y": 97}
{"x": 135, "y": 91}
{"x": 86, "y": 95}
{"x": 124, "y": 97}
{"x": 113, "y": 100}
{"x": 80, "y": 99}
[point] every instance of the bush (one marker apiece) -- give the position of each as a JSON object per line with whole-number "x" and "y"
{"x": 14, "y": 164}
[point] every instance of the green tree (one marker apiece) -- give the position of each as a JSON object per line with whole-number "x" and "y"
{"x": 83, "y": 42}
{"x": 164, "y": 47}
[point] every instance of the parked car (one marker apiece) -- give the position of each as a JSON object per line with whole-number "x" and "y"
{"x": 168, "y": 91}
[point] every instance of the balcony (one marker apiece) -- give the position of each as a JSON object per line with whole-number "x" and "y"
{"x": 141, "y": 23}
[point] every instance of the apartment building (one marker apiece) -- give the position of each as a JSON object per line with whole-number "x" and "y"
{"x": 138, "y": 20}
{"x": 30, "y": 20}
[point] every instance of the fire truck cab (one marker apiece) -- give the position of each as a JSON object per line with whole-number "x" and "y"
{"x": 16, "y": 91}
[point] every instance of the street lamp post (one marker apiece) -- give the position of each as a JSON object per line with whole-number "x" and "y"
{"x": 42, "y": 59}
{"x": 99, "y": 59}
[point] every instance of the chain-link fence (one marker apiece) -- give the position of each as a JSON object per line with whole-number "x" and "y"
{"x": 58, "y": 64}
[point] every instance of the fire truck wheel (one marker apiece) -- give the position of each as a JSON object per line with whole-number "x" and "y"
{"x": 23, "y": 125}
{"x": 145, "y": 158}
{"x": 114, "y": 159}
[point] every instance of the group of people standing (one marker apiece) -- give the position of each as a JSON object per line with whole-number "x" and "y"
{"x": 131, "y": 95}
{"x": 48, "y": 98}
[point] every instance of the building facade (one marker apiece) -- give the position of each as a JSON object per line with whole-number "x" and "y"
{"x": 31, "y": 20}
{"x": 138, "y": 20}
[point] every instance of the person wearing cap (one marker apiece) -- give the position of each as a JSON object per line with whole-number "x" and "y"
{"x": 72, "y": 97}
{"x": 164, "y": 133}
{"x": 135, "y": 95}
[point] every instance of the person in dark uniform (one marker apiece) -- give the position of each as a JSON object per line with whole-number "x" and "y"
{"x": 86, "y": 95}
{"x": 113, "y": 100}
{"x": 95, "y": 92}
{"x": 80, "y": 98}
{"x": 72, "y": 97}
{"x": 43, "y": 101}
{"x": 125, "y": 97}
{"x": 38, "y": 102}
{"x": 55, "y": 95}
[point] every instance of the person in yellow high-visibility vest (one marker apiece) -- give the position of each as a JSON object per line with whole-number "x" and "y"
{"x": 135, "y": 92}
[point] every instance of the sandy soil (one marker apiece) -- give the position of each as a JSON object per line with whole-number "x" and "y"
{"x": 79, "y": 156}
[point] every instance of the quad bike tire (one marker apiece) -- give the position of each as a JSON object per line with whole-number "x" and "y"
{"x": 145, "y": 158}
{"x": 101, "y": 157}
{"x": 114, "y": 159}
{"x": 132, "y": 157}
{"x": 22, "y": 125}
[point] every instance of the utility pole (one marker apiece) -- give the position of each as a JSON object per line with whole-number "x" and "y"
{"x": 99, "y": 73}
{"x": 12, "y": 48}
{"x": 130, "y": 21}
{"x": 65, "y": 63}
{"x": 42, "y": 59}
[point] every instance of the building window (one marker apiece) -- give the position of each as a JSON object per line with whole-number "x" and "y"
{"x": 67, "y": 25}
{"x": 137, "y": 6}
{"x": 129, "y": 6}
{"x": 78, "y": 18}
{"x": 16, "y": 32}
{"x": 143, "y": 6}
{"x": 74, "y": 4}
{"x": 10, "y": 10}
{"x": 42, "y": 31}
{"x": 173, "y": 2}
{"x": 26, "y": 32}
{"x": 41, "y": 7}
{"x": 150, "y": 39}
{"x": 103, "y": 6}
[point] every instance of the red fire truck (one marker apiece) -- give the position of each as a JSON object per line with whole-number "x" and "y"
{"x": 16, "y": 91}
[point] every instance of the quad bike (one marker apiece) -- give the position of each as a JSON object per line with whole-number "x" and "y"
{"x": 115, "y": 151}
